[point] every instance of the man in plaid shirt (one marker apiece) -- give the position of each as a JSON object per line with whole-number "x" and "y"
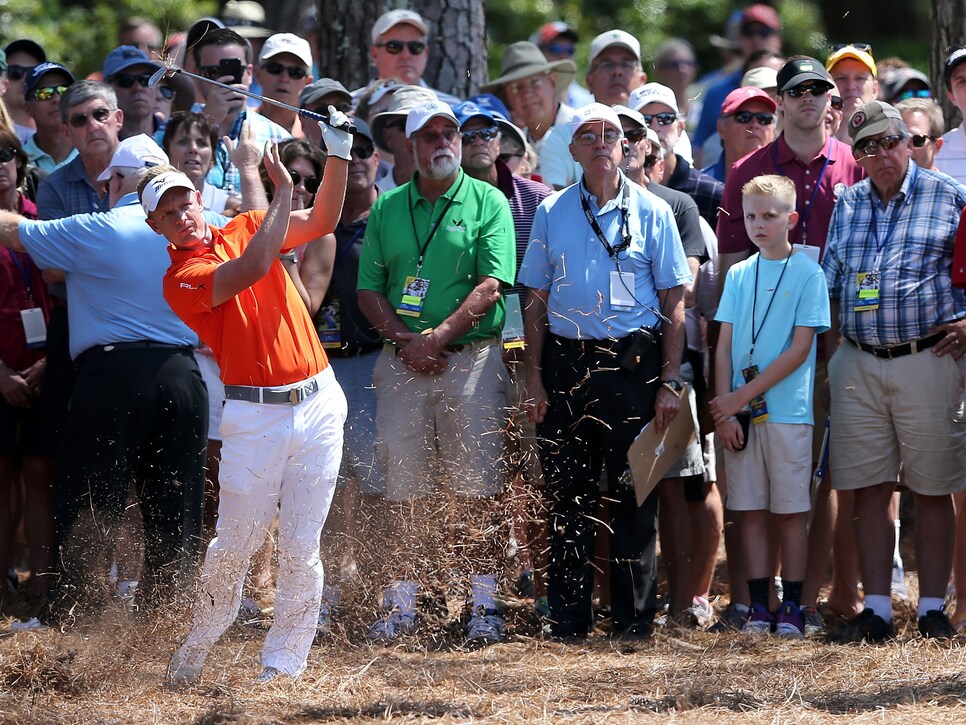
{"x": 897, "y": 329}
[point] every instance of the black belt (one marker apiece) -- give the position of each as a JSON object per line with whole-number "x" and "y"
{"x": 888, "y": 352}
{"x": 283, "y": 395}
{"x": 99, "y": 350}
{"x": 610, "y": 346}
{"x": 352, "y": 350}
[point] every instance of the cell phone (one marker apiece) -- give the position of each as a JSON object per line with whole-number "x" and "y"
{"x": 230, "y": 67}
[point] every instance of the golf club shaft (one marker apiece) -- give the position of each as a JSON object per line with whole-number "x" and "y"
{"x": 301, "y": 111}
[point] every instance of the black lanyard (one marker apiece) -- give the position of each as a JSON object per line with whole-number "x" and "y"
{"x": 805, "y": 213}
{"x": 894, "y": 221}
{"x": 432, "y": 227}
{"x": 625, "y": 232}
{"x": 754, "y": 303}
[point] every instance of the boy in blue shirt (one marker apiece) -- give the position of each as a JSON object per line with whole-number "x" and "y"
{"x": 773, "y": 305}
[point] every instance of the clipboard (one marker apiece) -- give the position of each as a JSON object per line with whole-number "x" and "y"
{"x": 652, "y": 454}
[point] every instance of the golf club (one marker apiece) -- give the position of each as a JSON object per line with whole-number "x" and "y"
{"x": 168, "y": 71}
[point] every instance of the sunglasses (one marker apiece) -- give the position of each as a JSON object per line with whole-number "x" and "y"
{"x": 921, "y": 93}
{"x": 872, "y": 146}
{"x": 507, "y": 157}
{"x": 921, "y": 139}
{"x": 363, "y": 152}
{"x": 395, "y": 47}
{"x": 650, "y": 160}
{"x": 589, "y": 138}
{"x": 7, "y": 154}
{"x": 311, "y": 182}
{"x": 862, "y": 47}
{"x": 48, "y": 92}
{"x": 663, "y": 119}
{"x": 126, "y": 80}
{"x": 761, "y": 31}
{"x": 324, "y": 110}
{"x": 449, "y": 135}
{"x": 678, "y": 65}
{"x": 486, "y": 134}
{"x": 745, "y": 117}
{"x": 17, "y": 72}
{"x": 558, "y": 49}
{"x": 837, "y": 102}
{"x": 276, "y": 69}
{"x": 635, "y": 135}
{"x": 79, "y": 120}
{"x": 799, "y": 91}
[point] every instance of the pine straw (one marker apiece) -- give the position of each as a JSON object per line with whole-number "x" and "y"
{"x": 112, "y": 672}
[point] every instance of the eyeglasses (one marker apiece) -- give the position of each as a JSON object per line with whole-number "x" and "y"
{"x": 863, "y": 47}
{"x": 126, "y": 80}
{"x": 919, "y": 140}
{"x": 296, "y": 73}
{"x": 589, "y": 138}
{"x": 48, "y": 92}
{"x": 650, "y": 160}
{"x": 7, "y": 154}
{"x": 799, "y": 91}
{"x": 507, "y": 157}
{"x": 311, "y": 182}
{"x": 324, "y": 110}
{"x": 363, "y": 152}
{"x": 395, "y": 47}
{"x": 79, "y": 120}
{"x": 17, "y": 72}
{"x": 663, "y": 119}
{"x": 757, "y": 31}
{"x": 872, "y": 146}
{"x": 921, "y": 93}
{"x": 838, "y": 103}
{"x": 532, "y": 84}
{"x": 635, "y": 135}
{"x": 486, "y": 134}
{"x": 610, "y": 66}
{"x": 447, "y": 134}
{"x": 678, "y": 65}
{"x": 558, "y": 49}
{"x": 745, "y": 117}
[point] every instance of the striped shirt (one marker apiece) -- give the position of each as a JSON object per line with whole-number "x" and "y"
{"x": 524, "y": 196}
{"x": 914, "y": 264}
{"x": 704, "y": 189}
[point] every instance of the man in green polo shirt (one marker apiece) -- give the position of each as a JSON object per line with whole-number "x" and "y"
{"x": 437, "y": 253}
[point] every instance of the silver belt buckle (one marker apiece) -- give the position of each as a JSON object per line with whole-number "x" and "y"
{"x": 294, "y": 396}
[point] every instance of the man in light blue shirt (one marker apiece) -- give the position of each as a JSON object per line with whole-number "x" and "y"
{"x": 139, "y": 407}
{"x": 605, "y": 338}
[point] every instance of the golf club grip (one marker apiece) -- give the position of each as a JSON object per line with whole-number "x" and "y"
{"x": 325, "y": 119}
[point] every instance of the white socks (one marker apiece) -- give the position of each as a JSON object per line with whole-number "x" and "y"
{"x": 881, "y": 604}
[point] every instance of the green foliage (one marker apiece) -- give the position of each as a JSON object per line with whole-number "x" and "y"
{"x": 80, "y": 36}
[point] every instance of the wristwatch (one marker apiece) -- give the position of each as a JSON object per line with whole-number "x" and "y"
{"x": 675, "y": 386}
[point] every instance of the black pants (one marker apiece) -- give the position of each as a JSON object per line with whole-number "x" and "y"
{"x": 135, "y": 415}
{"x": 596, "y": 410}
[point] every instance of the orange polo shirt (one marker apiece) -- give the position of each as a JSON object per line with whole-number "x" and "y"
{"x": 263, "y": 336}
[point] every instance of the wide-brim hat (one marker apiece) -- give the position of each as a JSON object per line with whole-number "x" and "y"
{"x": 524, "y": 59}
{"x": 403, "y": 99}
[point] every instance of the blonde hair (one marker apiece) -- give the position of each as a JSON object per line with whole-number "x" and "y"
{"x": 149, "y": 174}
{"x": 772, "y": 186}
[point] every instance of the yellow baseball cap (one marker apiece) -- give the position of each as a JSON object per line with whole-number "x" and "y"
{"x": 855, "y": 53}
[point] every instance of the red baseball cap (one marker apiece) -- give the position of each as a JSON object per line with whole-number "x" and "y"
{"x": 548, "y": 32}
{"x": 740, "y": 96}
{"x": 764, "y": 14}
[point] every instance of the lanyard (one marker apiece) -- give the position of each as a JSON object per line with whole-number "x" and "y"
{"x": 92, "y": 199}
{"x": 348, "y": 245}
{"x": 805, "y": 213}
{"x": 754, "y": 303}
{"x": 432, "y": 227}
{"x": 24, "y": 272}
{"x": 625, "y": 233}
{"x": 897, "y": 212}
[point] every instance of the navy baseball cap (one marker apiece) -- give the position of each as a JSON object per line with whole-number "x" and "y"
{"x": 39, "y": 71}
{"x": 25, "y": 45}
{"x": 124, "y": 57}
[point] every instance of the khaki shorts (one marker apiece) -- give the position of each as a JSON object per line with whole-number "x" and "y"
{"x": 446, "y": 428}
{"x": 887, "y": 413}
{"x": 774, "y": 472}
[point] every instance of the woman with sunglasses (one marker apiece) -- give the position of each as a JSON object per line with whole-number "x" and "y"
{"x": 190, "y": 141}
{"x": 26, "y": 446}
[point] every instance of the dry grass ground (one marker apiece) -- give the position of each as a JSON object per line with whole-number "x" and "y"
{"x": 111, "y": 672}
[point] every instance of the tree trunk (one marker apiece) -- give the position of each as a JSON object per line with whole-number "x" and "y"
{"x": 949, "y": 28}
{"x": 457, "y": 42}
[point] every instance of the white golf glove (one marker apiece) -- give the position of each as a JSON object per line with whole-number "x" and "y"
{"x": 337, "y": 142}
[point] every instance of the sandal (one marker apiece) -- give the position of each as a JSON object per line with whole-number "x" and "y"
{"x": 959, "y": 621}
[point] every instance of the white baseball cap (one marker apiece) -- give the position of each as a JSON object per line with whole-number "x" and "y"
{"x": 420, "y": 115}
{"x": 390, "y": 20}
{"x": 594, "y": 112}
{"x": 614, "y": 37}
{"x": 287, "y": 43}
{"x": 159, "y": 185}
{"x": 653, "y": 93}
{"x": 135, "y": 152}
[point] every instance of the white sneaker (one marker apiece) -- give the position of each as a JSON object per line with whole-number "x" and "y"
{"x": 485, "y": 627}
{"x": 185, "y": 666}
{"x": 702, "y": 611}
